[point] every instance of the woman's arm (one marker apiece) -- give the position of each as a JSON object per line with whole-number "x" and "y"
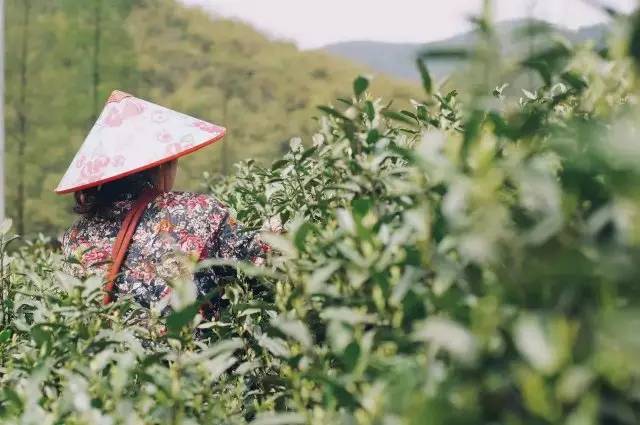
{"x": 231, "y": 241}
{"x": 235, "y": 242}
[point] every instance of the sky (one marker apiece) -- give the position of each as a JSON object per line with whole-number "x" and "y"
{"x": 315, "y": 23}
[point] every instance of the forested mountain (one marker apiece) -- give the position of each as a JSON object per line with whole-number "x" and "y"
{"x": 64, "y": 57}
{"x": 398, "y": 59}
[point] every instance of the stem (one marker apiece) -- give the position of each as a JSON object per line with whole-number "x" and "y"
{"x": 176, "y": 371}
{"x": 303, "y": 192}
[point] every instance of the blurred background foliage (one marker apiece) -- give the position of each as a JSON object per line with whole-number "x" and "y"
{"x": 64, "y": 57}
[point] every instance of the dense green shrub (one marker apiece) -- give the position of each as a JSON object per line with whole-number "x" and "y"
{"x": 473, "y": 260}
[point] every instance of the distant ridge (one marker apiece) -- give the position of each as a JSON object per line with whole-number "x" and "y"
{"x": 398, "y": 59}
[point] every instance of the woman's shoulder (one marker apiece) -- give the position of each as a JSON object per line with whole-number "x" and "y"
{"x": 191, "y": 204}
{"x": 192, "y": 198}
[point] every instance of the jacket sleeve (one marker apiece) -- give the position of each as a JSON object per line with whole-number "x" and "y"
{"x": 234, "y": 242}
{"x": 231, "y": 241}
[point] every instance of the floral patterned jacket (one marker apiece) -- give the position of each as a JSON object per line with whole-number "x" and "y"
{"x": 174, "y": 226}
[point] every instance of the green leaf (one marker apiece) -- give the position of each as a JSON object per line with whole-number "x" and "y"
{"x": 444, "y": 333}
{"x": 5, "y": 335}
{"x": 409, "y": 114}
{"x": 11, "y": 396}
{"x": 279, "y": 419}
{"x": 279, "y": 164}
{"x": 40, "y": 336}
{"x": 361, "y": 206}
{"x": 543, "y": 70}
{"x": 535, "y": 345}
{"x": 548, "y": 61}
{"x": 450, "y": 96}
{"x": 634, "y": 42}
{"x": 321, "y": 274}
{"x": 308, "y": 153}
{"x": 537, "y": 397}
{"x": 427, "y": 82}
{"x": 422, "y": 113}
{"x": 5, "y": 226}
{"x": 502, "y": 127}
{"x": 300, "y": 236}
{"x": 497, "y": 92}
{"x": 373, "y": 136}
{"x": 178, "y": 319}
{"x": 398, "y": 117}
{"x": 472, "y": 130}
{"x": 347, "y": 315}
{"x": 276, "y": 346}
{"x": 351, "y": 355}
{"x": 337, "y": 391}
{"x": 294, "y": 329}
{"x": 360, "y": 85}
{"x": 551, "y": 55}
{"x": 530, "y": 95}
{"x": 575, "y": 80}
{"x": 369, "y": 110}
{"x": 333, "y": 112}
{"x": 281, "y": 244}
{"x": 445, "y": 53}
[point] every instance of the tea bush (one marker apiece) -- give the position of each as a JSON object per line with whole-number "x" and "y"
{"x": 473, "y": 260}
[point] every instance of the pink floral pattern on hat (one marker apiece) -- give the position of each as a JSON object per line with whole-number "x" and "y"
{"x": 131, "y": 135}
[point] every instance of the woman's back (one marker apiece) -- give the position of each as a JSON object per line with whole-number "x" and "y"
{"x": 129, "y": 156}
{"x": 173, "y": 226}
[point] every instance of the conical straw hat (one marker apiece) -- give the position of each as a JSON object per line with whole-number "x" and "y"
{"x": 132, "y": 135}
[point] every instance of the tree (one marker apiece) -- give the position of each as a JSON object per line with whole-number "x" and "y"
{"x": 218, "y": 70}
{"x": 23, "y": 114}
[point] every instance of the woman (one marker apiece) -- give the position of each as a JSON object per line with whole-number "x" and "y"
{"x": 132, "y": 228}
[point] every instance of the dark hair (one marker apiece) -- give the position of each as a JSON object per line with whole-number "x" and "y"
{"x": 98, "y": 201}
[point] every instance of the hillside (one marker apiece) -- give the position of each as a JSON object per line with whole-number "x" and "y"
{"x": 78, "y": 51}
{"x": 398, "y": 59}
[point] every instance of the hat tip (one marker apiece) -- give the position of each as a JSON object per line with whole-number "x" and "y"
{"x": 117, "y": 96}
